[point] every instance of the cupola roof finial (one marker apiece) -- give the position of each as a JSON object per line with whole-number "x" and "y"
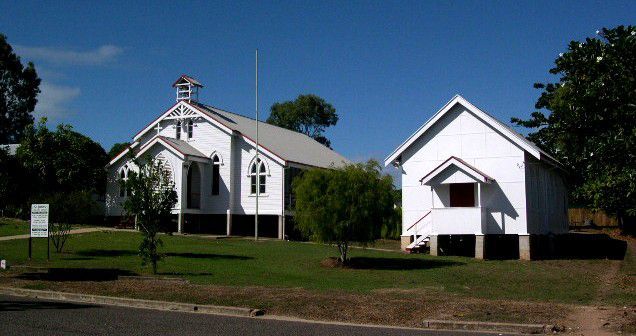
{"x": 187, "y": 88}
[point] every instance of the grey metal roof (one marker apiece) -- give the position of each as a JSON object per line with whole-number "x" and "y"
{"x": 182, "y": 146}
{"x": 288, "y": 145}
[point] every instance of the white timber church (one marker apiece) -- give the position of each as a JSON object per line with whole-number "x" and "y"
{"x": 471, "y": 183}
{"x": 211, "y": 156}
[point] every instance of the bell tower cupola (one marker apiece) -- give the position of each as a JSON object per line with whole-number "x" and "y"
{"x": 187, "y": 88}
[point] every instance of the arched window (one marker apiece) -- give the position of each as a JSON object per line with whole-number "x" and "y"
{"x": 124, "y": 189}
{"x": 122, "y": 181}
{"x": 216, "y": 174}
{"x": 258, "y": 170}
{"x": 189, "y": 128}
{"x": 178, "y": 130}
{"x": 167, "y": 169}
{"x": 194, "y": 187}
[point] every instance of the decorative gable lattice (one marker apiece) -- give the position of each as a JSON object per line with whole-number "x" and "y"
{"x": 181, "y": 112}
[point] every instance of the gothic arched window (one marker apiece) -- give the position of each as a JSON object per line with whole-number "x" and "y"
{"x": 216, "y": 174}
{"x": 190, "y": 128}
{"x": 178, "y": 130}
{"x": 258, "y": 170}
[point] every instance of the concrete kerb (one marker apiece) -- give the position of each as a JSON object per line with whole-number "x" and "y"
{"x": 249, "y": 312}
{"x": 489, "y": 326}
{"x": 132, "y": 303}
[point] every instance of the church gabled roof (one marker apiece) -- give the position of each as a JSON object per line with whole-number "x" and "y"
{"x": 284, "y": 145}
{"x": 504, "y": 129}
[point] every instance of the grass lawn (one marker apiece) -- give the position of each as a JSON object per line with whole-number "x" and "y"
{"x": 241, "y": 262}
{"x": 13, "y": 227}
{"x": 623, "y": 291}
{"x": 385, "y": 244}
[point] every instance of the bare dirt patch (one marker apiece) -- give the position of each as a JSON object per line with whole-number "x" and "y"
{"x": 604, "y": 320}
{"x": 331, "y": 262}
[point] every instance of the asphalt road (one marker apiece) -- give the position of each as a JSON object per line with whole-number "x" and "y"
{"x": 25, "y": 316}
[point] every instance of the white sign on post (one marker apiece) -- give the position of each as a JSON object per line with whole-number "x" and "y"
{"x": 39, "y": 220}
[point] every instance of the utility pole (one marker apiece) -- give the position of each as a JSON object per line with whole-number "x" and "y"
{"x": 258, "y": 166}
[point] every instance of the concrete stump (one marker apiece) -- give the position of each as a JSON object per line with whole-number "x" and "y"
{"x": 479, "y": 246}
{"x": 433, "y": 244}
{"x": 524, "y": 247}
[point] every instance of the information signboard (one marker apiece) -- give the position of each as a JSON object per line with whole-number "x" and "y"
{"x": 39, "y": 220}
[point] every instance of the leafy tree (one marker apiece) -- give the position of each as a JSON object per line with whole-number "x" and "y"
{"x": 9, "y": 168}
{"x": 62, "y": 160}
{"x": 339, "y": 206}
{"x": 117, "y": 149}
{"x": 152, "y": 197}
{"x": 392, "y": 227}
{"x": 588, "y": 120}
{"x": 308, "y": 114}
{"x": 19, "y": 87}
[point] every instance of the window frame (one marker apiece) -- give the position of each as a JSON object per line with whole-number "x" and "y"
{"x": 124, "y": 190}
{"x": 190, "y": 129}
{"x": 216, "y": 175}
{"x": 261, "y": 172}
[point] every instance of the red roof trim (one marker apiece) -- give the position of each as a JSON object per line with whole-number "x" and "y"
{"x": 260, "y": 145}
{"x": 155, "y": 120}
{"x": 168, "y": 143}
{"x": 463, "y": 162}
{"x": 207, "y": 113}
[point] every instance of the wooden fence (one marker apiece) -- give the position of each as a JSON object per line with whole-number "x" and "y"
{"x": 578, "y": 217}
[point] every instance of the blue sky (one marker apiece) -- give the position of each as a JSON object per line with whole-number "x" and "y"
{"x": 387, "y": 66}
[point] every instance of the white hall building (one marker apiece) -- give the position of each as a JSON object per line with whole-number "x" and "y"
{"x": 467, "y": 177}
{"x": 211, "y": 156}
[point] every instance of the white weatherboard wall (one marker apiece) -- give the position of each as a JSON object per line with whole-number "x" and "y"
{"x": 210, "y": 140}
{"x": 462, "y": 134}
{"x": 546, "y": 197}
{"x": 269, "y": 203}
{"x": 114, "y": 201}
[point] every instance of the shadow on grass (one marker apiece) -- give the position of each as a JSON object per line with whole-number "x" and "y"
{"x": 78, "y": 258}
{"x": 106, "y": 253}
{"x": 76, "y": 274}
{"x": 35, "y": 305}
{"x": 579, "y": 246}
{"x": 399, "y": 263}
{"x": 92, "y": 253}
{"x": 207, "y": 256}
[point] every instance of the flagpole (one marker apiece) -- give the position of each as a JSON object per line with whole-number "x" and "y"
{"x": 258, "y": 170}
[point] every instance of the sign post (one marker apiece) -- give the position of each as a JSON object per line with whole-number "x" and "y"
{"x": 40, "y": 226}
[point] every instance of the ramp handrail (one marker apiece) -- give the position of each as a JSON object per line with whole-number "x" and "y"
{"x": 419, "y": 220}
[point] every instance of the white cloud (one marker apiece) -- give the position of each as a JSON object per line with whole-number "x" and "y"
{"x": 101, "y": 55}
{"x": 53, "y": 100}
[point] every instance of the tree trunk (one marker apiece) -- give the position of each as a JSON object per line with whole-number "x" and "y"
{"x": 153, "y": 255}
